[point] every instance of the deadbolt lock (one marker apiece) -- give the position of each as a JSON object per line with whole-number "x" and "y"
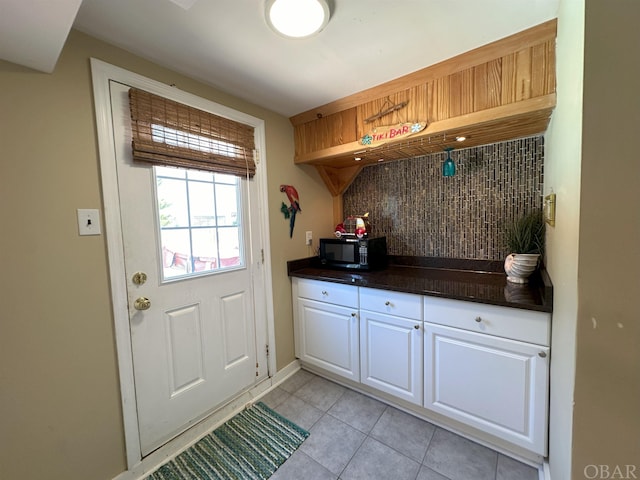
{"x": 139, "y": 278}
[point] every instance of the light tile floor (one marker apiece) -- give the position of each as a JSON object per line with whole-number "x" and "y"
{"x": 354, "y": 437}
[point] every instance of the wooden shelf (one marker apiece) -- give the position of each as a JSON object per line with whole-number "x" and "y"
{"x": 543, "y": 33}
{"x": 501, "y": 91}
{"x": 507, "y": 122}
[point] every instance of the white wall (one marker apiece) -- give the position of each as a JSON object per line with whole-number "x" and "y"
{"x": 563, "y": 144}
{"x": 606, "y": 420}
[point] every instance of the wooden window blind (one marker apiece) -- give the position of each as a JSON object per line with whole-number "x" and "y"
{"x": 165, "y": 132}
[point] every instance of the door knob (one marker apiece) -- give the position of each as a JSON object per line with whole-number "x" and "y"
{"x": 142, "y": 303}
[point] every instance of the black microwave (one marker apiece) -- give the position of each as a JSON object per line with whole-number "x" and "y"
{"x": 354, "y": 253}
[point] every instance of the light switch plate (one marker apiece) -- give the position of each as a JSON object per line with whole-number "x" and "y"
{"x": 550, "y": 209}
{"x": 88, "y": 221}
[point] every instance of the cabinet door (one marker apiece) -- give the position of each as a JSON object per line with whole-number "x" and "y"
{"x": 495, "y": 384}
{"x": 327, "y": 337}
{"x": 391, "y": 355}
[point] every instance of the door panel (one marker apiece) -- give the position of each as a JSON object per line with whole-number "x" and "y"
{"x": 186, "y": 357}
{"x": 195, "y": 347}
{"x": 237, "y": 346}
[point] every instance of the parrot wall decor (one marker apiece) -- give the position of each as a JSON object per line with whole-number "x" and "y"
{"x": 293, "y": 208}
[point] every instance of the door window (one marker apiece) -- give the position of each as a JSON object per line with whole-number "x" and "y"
{"x": 199, "y": 215}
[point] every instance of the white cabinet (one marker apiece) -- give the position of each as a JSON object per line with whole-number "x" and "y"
{"x": 481, "y": 365}
{"x": 326, "y": 326}
{"x": 391, "y": 345}
{"x": 481, "y": 377}
{"x": 391, "y": 355}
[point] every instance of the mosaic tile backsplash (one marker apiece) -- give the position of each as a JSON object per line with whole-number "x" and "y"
{"x": 423, "y": 213}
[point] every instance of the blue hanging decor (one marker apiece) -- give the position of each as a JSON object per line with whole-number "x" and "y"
{"x": 448, "y": 167}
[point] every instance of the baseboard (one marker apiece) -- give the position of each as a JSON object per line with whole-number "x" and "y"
{"x": 183, "y": 441}
{"x": 285, "y": 373}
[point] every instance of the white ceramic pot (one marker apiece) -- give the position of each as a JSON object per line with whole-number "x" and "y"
{"x": 519, "y": 266}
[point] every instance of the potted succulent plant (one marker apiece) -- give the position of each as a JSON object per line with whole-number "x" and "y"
{"x": 525, "y": 239}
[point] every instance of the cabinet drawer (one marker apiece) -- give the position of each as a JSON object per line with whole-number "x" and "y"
{"x": 405, "y": 305}
{"x": 328, "y": 292}
{"x": 517, "y": 324}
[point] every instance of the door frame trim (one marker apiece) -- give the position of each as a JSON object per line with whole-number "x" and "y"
{"x": 102, "y": 73}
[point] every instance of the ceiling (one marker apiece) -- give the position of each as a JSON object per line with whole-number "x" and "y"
{"x": 227, "y": 43}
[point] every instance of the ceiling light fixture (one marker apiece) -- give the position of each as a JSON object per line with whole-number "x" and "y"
{"x": 297, "y": 18}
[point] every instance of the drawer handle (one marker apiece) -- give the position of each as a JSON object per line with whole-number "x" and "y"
{"x": 542, "y": 354}
{"x": 324, "y": 292}
{"x": 478, "y": 319}
{"x": 387, "y": 303}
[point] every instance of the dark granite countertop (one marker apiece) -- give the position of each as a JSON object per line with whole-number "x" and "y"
{"x": 471, "y": 280}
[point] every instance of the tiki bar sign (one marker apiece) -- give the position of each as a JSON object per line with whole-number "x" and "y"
{"x": 386, "y": 133}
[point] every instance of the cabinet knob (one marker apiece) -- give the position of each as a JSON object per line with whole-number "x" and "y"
{"x": 478, "y": 319}
{"x": 387, "y": 303}
{"x": 542, "y": 354}
{"x": 353, "y": 314}
{"x": 324, "y": 292}
{"x": 417, "y": 327}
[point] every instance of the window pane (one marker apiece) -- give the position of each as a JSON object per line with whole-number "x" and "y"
{"x": 200, "y": 175}
{"x": 227, "y": 204}
{"x": 176, "y": 252}
{"x": 222, "y": 178}
{"x": 169, "y": 172}
{"x": 202, "y": 204}
{"x": 229, "y": 246}
{"x": 200, "y": 222}
{"x": 205, "y": 251}
{"x": 172, "y": 203}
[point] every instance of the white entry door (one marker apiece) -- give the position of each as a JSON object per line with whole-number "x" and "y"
{"x": 187, "y": 239}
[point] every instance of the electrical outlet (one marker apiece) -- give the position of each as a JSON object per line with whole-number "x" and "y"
{"x": 88, "y": 221}
{"x": 309, "y": 237}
